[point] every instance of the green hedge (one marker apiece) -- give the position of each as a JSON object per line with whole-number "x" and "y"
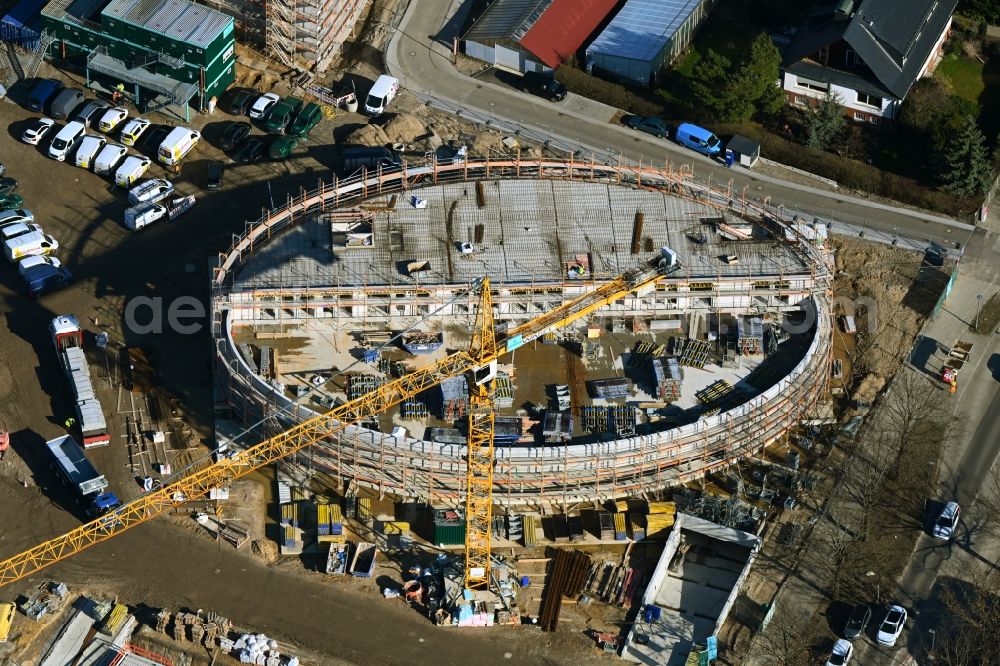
{"x": 615, "y": 95}
{"x": 853, "y": 174}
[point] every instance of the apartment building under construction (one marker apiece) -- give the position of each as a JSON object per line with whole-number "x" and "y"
{"x": 301, "y": 34}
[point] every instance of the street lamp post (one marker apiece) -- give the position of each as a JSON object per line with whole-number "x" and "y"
{"x": 979, "y": 298}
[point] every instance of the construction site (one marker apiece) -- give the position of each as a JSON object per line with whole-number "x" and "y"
{"x": 367, "y": 282}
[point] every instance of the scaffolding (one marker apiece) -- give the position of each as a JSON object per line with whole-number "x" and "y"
{"x": 307, "y": 34}
{"x": 585, "y": 470}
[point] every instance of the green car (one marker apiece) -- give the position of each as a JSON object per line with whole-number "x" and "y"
{"x": 306, "y": 120}
{"x": 282, "y": 114}
{"x": 10, "y": 201}
{"x": 282, "y": 147}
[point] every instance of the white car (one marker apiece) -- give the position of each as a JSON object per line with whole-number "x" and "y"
{"x": 16, "y": 216}
{"x": 112, "y": 118}
{"x": 892, "y": 626}
{"x": 28, "y": 263}
{"x": 947, "y": 521}
{"x": 131, "y": 170}
{"x": 133, "y": 130}
{"x": 38, "y": 129}
{"x": 150, "y": 191}
{"x": 841, "y": 654}
{"x": 263, "y": 105}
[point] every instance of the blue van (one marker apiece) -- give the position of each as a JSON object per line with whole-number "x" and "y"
{"x": 698, "y": 138}
{"x": 45, "y": 278}
{"x": 42, "y": 93}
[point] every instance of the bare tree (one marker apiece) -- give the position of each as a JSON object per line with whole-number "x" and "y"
{"x": 968, "y": 622}
{"x": 790, "y": 639}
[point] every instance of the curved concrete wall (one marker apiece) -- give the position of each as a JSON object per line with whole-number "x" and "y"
{"x": 431, "y": 471}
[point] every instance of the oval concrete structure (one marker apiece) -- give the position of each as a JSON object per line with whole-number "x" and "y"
{"x": 429, "y": 471}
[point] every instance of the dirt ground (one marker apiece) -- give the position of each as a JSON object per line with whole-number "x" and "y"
{"x": 890, "y": 296}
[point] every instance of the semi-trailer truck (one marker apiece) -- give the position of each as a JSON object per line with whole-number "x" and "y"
{"x": 67, "y": 336}
{"x": 83, "y": 479}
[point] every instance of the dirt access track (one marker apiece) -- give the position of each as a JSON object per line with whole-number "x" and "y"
{"x": 161, "y": 564}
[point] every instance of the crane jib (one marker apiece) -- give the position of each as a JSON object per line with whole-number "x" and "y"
{"x": 316, "y": 429}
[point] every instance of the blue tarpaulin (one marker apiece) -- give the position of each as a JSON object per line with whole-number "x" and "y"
{"x": 22, "y": 25}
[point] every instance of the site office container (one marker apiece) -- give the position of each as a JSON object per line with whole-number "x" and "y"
{"x": 212, "y": 67}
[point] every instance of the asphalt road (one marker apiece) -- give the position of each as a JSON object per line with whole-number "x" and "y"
{"x": 969, "y": 476}
{"x": 424, "y": 67}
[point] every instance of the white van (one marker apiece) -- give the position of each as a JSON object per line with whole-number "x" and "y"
{"x": 131, "y": 170}
{"x": 144, "y": 214}
{"x": 15, "y": 230}
{"x": 90, "y": 146}
{"x": 65, "y": 140}
{"x": 108, "y": 159}
{"x": 383, "y": 92}
{"x": 178, "y": 143}
{"x": 29, "y": 245}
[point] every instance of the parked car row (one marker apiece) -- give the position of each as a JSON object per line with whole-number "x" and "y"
{"x": 290, "y": 115}
{"x": 942, "y": 524}
{"x": 95, "y": 153}
{"x": 26, "y": 245}
{"x": 245, "y": 147}
{"x": 688, "y": 135}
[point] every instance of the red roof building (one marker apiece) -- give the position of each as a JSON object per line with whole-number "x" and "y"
{"x": 546, "y": 31}
{"x": 563, "y": 28}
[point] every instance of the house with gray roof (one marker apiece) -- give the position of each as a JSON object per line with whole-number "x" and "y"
{"x": 867, "y": 52}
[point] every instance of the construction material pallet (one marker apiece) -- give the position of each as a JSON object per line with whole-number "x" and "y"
{"x": 616, "y": 387}
{"x": 669, "y": 378}
{"x": 619, "y": 419}
{"x": 358, "y": 384}
{"x": 414, "y": 409}
{"x": 713, "y": 391}
{"x": 503, "y": 391}
{"x": 719, "y": 396}
{"x": 247, "y": 355}
{"x": 693, "y": 353}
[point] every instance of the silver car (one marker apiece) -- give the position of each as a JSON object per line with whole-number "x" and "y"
{"x": 947, "y": 521}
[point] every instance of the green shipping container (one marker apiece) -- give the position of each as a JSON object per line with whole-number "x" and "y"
{"x": 449, "y": 534}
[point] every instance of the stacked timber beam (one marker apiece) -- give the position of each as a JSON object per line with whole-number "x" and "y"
{"x": 570, "y": 569}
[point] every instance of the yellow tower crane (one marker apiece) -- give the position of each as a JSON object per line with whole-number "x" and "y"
{"x": 479, "y": 453}
{"x": 480, "y": 361}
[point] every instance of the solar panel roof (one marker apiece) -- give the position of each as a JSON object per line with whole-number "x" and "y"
{"x": 642, "y": 28}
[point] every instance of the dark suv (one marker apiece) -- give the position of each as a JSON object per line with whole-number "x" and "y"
{"x": 543, "y": 85}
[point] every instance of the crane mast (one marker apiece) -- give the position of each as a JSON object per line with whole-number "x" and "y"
{"x": 201, "y": 477}
{"x": 479, "y": 453}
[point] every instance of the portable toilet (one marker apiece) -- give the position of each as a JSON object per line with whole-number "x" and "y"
{"x": 745, "y": 151}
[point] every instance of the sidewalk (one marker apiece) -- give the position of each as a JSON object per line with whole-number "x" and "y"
{"x": 972, "y": 452}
